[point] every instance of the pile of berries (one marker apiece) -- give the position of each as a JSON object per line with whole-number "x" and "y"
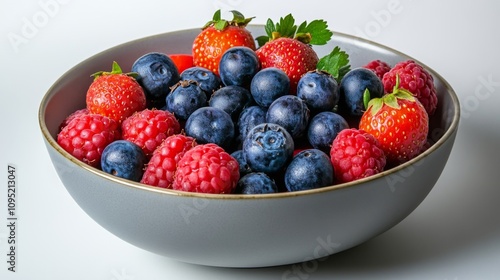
{"x": 236, "y": 117}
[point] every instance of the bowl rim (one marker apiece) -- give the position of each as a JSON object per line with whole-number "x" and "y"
{"x": 280, "y": 195}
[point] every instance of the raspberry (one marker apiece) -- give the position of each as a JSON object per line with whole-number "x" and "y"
{"x": 207, "y": 168}
{"x": 379, "y": 67}
{"x": 414, "y": 78}
{"x": 356, "y": 154}
{"x": 163, "y": 163}
{"x": 149, "y": 127}
{"x": 86, "y": 136}
{"x": 72, "y": 116}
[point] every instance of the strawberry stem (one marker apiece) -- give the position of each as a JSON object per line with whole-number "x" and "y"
{"x": 220, "y": 24}
{"x": 115, "y": 70}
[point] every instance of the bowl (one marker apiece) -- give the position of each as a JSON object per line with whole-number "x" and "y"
{"x": 244, "y": 230}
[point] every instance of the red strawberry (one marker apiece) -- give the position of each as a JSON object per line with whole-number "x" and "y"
{"x": 414, "y": 78}
{"x": 182, "y": 61}
{"x": 149, "y": 127}
{"x": 162, "y": 166}
{"x": 288, "y": 47}
{"x": 217, "y": 36}
{"x": 356, "y": 154}
{"x": 115, "y": 94}
{"x": 399, "y": 122}
{"x": 86, "y": 136}
{"x": 207, "y": 168}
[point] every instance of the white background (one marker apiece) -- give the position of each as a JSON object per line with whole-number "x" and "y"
{"x": 453, "y": 234}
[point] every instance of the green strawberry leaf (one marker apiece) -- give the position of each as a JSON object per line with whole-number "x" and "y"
{"x": 220, "y": 24}
{"x": 318, "y": 30}
{"x": 336, "y": 63}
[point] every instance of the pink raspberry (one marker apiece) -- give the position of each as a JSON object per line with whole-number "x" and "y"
{"x": 379, "y": 67}
{"x": 356, "y": 154}
{"x": 72, "y": 116}
{"x": 207, "y": 168}
{"x": 149, "y": 127}
{"x": 414, "y": 78}
{"x": 163, "y": 163}
{"x": 86, "y": 136}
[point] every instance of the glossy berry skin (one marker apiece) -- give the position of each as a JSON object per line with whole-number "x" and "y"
{"x": 207, "y": 168}
{"x": 249, "y": 118}
{"x": 268, "y": 85}
{"x": 356, "y": 154}
{"x": 352, "y": 89}
{"x": 268, "y": 148}
{"x": 309, "y": 169}
{"x": 323, "y": 128}
{"x": 86, "y": 136}
{"x": 116, "y": 96}
{"x": 210, "y": 125}
{"x": 400, "y": 123}
{"x": 124, "y": 159}
{"x": 292, "y": 56}
{"x": 157, "y": 72}
{"x": 379, "y": 67}
{"x": 161, "y": 167}
{"x": 242, "y": 162}
{"x": 206, "y": 79}
{"x": 149, "y": 127}
{"x": 256, "y": 183}
{"x": 238, "y": 65}
{"x": 290, "y": 112}
{"x": 319, "y": 90}
{"x": 185, "y": 98}
{"x": 232, "y": 100}
{"x": 417, "y": 80}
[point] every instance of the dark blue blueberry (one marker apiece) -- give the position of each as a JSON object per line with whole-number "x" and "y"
{"x": 123, "y": 159}
{"x": 309, "y": 169}
{"x": 290, "y": 112}
{"x": 256, "y": 183}
{"x": 156, "y": 74}
{"x": 249, "y": 118}
{"x": 269, "y": 84}
{"x": 319, "y": 90}
{"x": 185, "y": 98}
{"x": 268, "y": 148}
{"x": 242, "y": 162}
{"x": 207, "y": 80}
{"x": 238, "y": 65}
{"x": 353, "y": 86}
{"x": 323, "y": 128}
{"x": 231, "y": 99}
{"x": 210, "y": 125}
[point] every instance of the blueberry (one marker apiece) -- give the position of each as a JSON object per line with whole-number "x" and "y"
{"x": 210, "y": 125}
{"x": 319, "y": 90}
{"x": 185, "y": 98}
{"x": 242, "y": 162}
{"x": 323, "y": 129}
{"x": 231, "y": 99}
{"x": 156, "y": 74}
{"x": 268, "y": 148}
{"x": 207, "y": 80}
{"x": 309, "y": 169}
{"x": 256, "y": 183}
{"x": 290, "y": 112}
{"x": 123, "y": 159}
{"x": 238, "y": 65}
{"x": 269, "y": 84}
{"x": 353, "y": 86}
{"x": 249, "y": 118}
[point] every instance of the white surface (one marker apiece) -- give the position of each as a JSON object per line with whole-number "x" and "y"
{"x": 453, "y": 234}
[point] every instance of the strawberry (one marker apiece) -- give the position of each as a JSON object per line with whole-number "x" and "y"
{"x": 399, "y": 122}
{"x": 288, "y": 47}
{"x": 182, "y": 61}
{"x": 115, "y": 94}
{"x": 217, "y": 36}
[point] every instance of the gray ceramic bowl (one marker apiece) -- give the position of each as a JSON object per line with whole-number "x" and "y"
{"x": 244, "y": 230}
